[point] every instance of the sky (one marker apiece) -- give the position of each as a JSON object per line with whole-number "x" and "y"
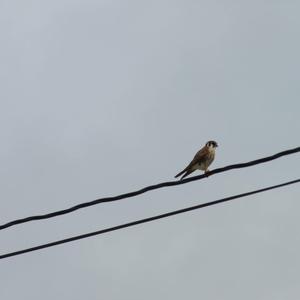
{"x": 104, "y": 97}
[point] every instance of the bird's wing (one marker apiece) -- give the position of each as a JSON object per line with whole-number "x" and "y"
{"x": 200, "y": 155}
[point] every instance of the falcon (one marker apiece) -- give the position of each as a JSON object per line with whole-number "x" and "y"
{"x": 202, "y": 160}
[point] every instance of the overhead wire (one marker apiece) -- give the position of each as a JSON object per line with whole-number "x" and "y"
{"x": 145, "y": 220}
{"x": 147, "y": 189}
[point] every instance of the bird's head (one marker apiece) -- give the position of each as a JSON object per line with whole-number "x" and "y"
{"x": 211, "y": 144}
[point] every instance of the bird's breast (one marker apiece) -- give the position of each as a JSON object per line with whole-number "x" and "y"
{"x": 203, "y": 165}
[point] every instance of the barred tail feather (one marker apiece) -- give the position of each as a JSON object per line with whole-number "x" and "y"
{"x": 188, "y": 172}
{"x": 180, "y": 173}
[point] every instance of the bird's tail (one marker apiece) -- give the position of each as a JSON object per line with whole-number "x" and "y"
{"x": 188, "y": 172}
{"x": 180, "y": 173}
{"x": 184, "y": 173}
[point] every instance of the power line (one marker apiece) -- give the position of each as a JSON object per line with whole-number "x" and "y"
{"x": 146, "y": 220}
{"x": 147, "y": 189}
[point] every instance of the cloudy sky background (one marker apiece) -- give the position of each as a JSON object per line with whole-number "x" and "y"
{"x": 104, "y": 97}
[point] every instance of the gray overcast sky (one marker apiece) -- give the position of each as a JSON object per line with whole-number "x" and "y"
{"x": 103, "y": 97}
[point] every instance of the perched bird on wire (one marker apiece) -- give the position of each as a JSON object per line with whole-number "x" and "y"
{"x": 203, "y": 158}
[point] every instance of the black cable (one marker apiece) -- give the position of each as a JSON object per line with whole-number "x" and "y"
{"x": 146, "y": 189}
{"x": 166, "y": 215}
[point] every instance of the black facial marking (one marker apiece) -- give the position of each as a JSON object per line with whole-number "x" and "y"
{"x": 212, "y": 143}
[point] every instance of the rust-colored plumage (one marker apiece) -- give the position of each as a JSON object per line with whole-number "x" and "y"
{"x": 201, "y": 161}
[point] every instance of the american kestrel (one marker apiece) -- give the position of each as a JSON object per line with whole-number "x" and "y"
{"x": 203, "y": 158}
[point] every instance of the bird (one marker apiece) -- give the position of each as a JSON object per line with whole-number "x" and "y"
{"x": 201, "y": 161}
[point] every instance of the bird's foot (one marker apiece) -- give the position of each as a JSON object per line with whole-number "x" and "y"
{"x": 206, "y": 173}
